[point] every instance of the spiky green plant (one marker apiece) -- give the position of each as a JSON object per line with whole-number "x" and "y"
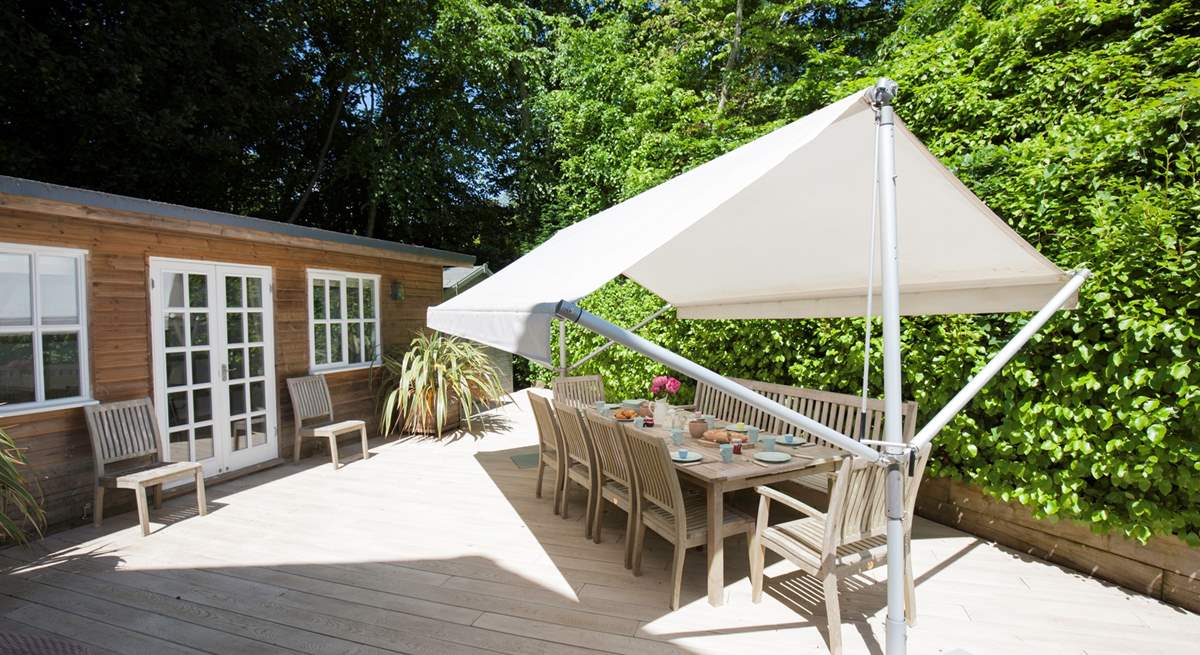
{"x": 14, "y": 494}
{"x": 437, "y": 373}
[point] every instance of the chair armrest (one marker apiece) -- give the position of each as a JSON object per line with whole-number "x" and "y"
{"x": 797, "y": 505}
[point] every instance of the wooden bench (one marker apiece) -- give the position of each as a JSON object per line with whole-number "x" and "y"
{"x": 128, "y": 430}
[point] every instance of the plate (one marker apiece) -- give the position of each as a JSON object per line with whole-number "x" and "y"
{"x": 732, "y": 427}
{"x": 780, "y": 441}
{"x": 692, "y": 456}
{"x": 772, "y": 457}
{"x": 625, "y": 420}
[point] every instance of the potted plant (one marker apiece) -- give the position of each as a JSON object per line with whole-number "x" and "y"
{"x": 14, "y": 494}
{"x": 436, "y": 384}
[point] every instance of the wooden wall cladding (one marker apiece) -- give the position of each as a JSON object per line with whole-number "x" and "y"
{"x": 56, "y": 442}
{"x": 1164, "y": 568}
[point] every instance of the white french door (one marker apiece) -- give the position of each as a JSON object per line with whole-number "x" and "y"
{"x": 212, "y": 328}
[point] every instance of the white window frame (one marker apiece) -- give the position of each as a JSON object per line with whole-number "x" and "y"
{"x": 40, "y": 404}
{"x": 341, "y": 277}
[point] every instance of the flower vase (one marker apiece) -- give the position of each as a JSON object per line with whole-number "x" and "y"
{"x": 661, "y": 412}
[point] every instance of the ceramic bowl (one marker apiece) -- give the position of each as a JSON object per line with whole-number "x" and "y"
{"x": 697, "y": 428}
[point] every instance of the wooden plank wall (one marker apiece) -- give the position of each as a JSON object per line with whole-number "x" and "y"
{"x": 57, "y": 443}
{"x": 1165, "y": 567}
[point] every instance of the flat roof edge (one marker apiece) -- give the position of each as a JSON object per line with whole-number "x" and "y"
{"x": 56, "y": 192}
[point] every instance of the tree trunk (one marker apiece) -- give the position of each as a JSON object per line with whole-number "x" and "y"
{"x": 735, "y": 47}
{"x": 337, "y": 113}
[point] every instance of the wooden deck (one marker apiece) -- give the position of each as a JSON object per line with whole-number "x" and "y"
{"x": 440, "y": 547}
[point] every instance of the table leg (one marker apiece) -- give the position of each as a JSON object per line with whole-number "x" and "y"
{"x": 715, "y": 550}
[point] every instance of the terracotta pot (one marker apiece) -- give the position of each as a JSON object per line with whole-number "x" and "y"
{"x": 697, "y": 428}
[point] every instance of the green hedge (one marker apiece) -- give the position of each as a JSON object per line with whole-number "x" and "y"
{"x": 1077, "y": 123}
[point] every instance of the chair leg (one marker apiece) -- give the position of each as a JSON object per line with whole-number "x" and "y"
{"x": 333, "y": 451}
{"x": 599, "y": 516}
{"x": 201, "y": 496}
{"x": 631, "y": 523}
{"x": 98, "y": 507}
{"x": 833, "y": 613}
{"x": 143, "y": 509}
{"x": 158, "y": 496}
{"x": 639, "y": 542}
{"x": 566, "y": 496}
{"x": 366, "y": 450}
{"x": 296, "y": 448}
{"x": 910, "y": 594}
{"x": 537, "y": 492}
{"x": 677, "y": 574}
{"x": 757, "y": 562}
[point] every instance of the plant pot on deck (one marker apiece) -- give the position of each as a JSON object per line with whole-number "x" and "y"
{"x": 429, "y": 424}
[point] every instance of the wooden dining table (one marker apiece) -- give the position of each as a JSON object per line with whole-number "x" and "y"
{"x": 718, "y": 478}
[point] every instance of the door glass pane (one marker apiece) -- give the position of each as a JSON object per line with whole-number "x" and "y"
{"x": 16, "y": 368}
{"x": 201, "y": 367}
{"x": 233, "y": 291}
{"x": 204, "y": 442}
{"x": 179, "y": 446}
{"x": 197, "y": 290}
{"x": 177, "y": 408}
{"x": 318, "y": 295}
{"x": 60, "y": 365}
{"x": 253, "y": 292}
{"x": 175, "y": 290}
{"x": 237, "y": 364}
{"x": 258, "y": 430}
{"x": 237, "y": 399}
{"x": 254, "y": 326}
{"x": 355, "y": 334}
{"x": 258, "y": 396}
{"x": 58, "y": 296}
{"x": 15, "y": 304}
{"x": 199, "y": 329}
{"x": 335, "y": 342}
{"x": 335, "y": 299}
{"x": 368, "y": 290}
{"x": 176, "y": 369}
{"x": 353, "y": 307}
{"x": 202, "y": 405}
{"x": 173, "y": 329}
{"x": 233, "y": 328}
{"x": 256, "y": 361}
{"x": 237, "y": 434}
{"x": 319, "y": 342}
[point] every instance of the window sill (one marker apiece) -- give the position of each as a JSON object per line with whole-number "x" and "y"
{"x": 326, "y": 370}
{"x": 52, "y": 406}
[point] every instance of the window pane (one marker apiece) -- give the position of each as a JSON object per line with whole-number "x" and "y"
{"x": 197, "y": 290}
{"x": 318, "y": 294}
{"x": 322, "y": 350}
{"x": 179, "y": 446}
{"x": 176, "y": 369}
{"x": 233, "y": 328}
{"x": 335, "y": 299}
{"x": 237, "y": 399}
{"x": 204, "y": 442}
{"x": 256, "y": 361}
{"x": 233, "y": 291}
{"x": 15, "y": 306}
{"x": 258, "y": 430}
{"x": 368, "y": 290}
{"x": 177, "y": 408}
{"x": 254, "y": 326}
{"x": 353, "y": 307}
{"x": 16, "y": 368}
{"x": 335, "y": 342}
{"x": 60, "y": 365}
{"x": 174, "y": 330}
{"x": 201, "y": 367}
{"x": 372, "y": 340}
{"x": 253, "y": 292}
{"x": 354, "y": 333}
{"x": 237, "y": 364}
{"x": 237, "y": 434}
{"x": 258, "y": 396}
{"x": 199, "y": 329}
{"x": 58, "y": 295}
{"x": 175, "y": 290}
{"x": 202, "y": 405}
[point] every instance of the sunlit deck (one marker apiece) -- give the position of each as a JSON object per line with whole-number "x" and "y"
{"x": 441, "y": 547}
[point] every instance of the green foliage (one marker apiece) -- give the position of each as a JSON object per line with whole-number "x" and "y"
{"x": 435, "y": 374}
{"x": 1075, "y": 121}
{"x": 18, "y": 505}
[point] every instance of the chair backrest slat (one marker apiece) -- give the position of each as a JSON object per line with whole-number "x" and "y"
{"x": 611, "y": 447}
{"x": 584, "y": 390}
{"x": 123, "y": 430}
{"x": 543, "y": 415}
{"x": 657, "y": 481}
{"x": 858, "y": 505}
{"x": 310, "y": 398}
{"x": 574, "y": 434}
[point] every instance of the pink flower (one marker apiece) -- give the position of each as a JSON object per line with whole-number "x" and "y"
{"x": 672, "y": 386}
{"x": 664, "y": 383}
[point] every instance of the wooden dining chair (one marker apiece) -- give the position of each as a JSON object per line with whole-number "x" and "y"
{"x": 615, "y": 480}
{"x": 681, "y": 519}
{"x": 127, "y": 432}
{"x": 584, "y": 390}
{"x": 580, "y": 459}
{"x": 550, "y": 447}
{"x": 310, "y": 400}
{"x": 848, "y": 538}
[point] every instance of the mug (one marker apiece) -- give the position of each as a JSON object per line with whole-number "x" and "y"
{"x": 601, "y": 408}
{"x": 683, "y": 453}
{"x": 768, "y": 443}
{"x": 726, "y": 453}
{"x": 789, "y": 439}
{"x": 709, "y": 418}
{"x": 752, "y": 434}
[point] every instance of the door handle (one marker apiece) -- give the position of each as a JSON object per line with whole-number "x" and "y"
{"x": 224, "y": 372}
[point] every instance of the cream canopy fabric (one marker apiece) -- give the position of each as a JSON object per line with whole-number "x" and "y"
{"x": 778, "y": 228}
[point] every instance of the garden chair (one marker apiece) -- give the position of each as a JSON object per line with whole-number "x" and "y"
{"x": 580, "y": 460}
{"x": 128, "y": 430}
{"x": 310, "y": 400}
{"x": 550, "y": 446}
{"x": 664, "y": 508}
{"x": 615, "y": 481}
{"x": 585, "y": 390}
{"x": 850, "y": 537}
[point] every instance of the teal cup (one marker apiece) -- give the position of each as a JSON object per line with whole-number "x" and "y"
{"x": 767, "y": 443}
{"x": 683, "y": 453}
{"x": 677, "y": 436}
{"x": 752, "y": 434}
{"x": 601, "y": 407}
{"x": 726, "y": 453}
{"x": 639, "y": 422}
{"x": 709, "y": 419}
{"x": 790, "y": 439}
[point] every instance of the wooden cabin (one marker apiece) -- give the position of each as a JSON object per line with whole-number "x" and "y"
{"x": 106, "y": 297}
